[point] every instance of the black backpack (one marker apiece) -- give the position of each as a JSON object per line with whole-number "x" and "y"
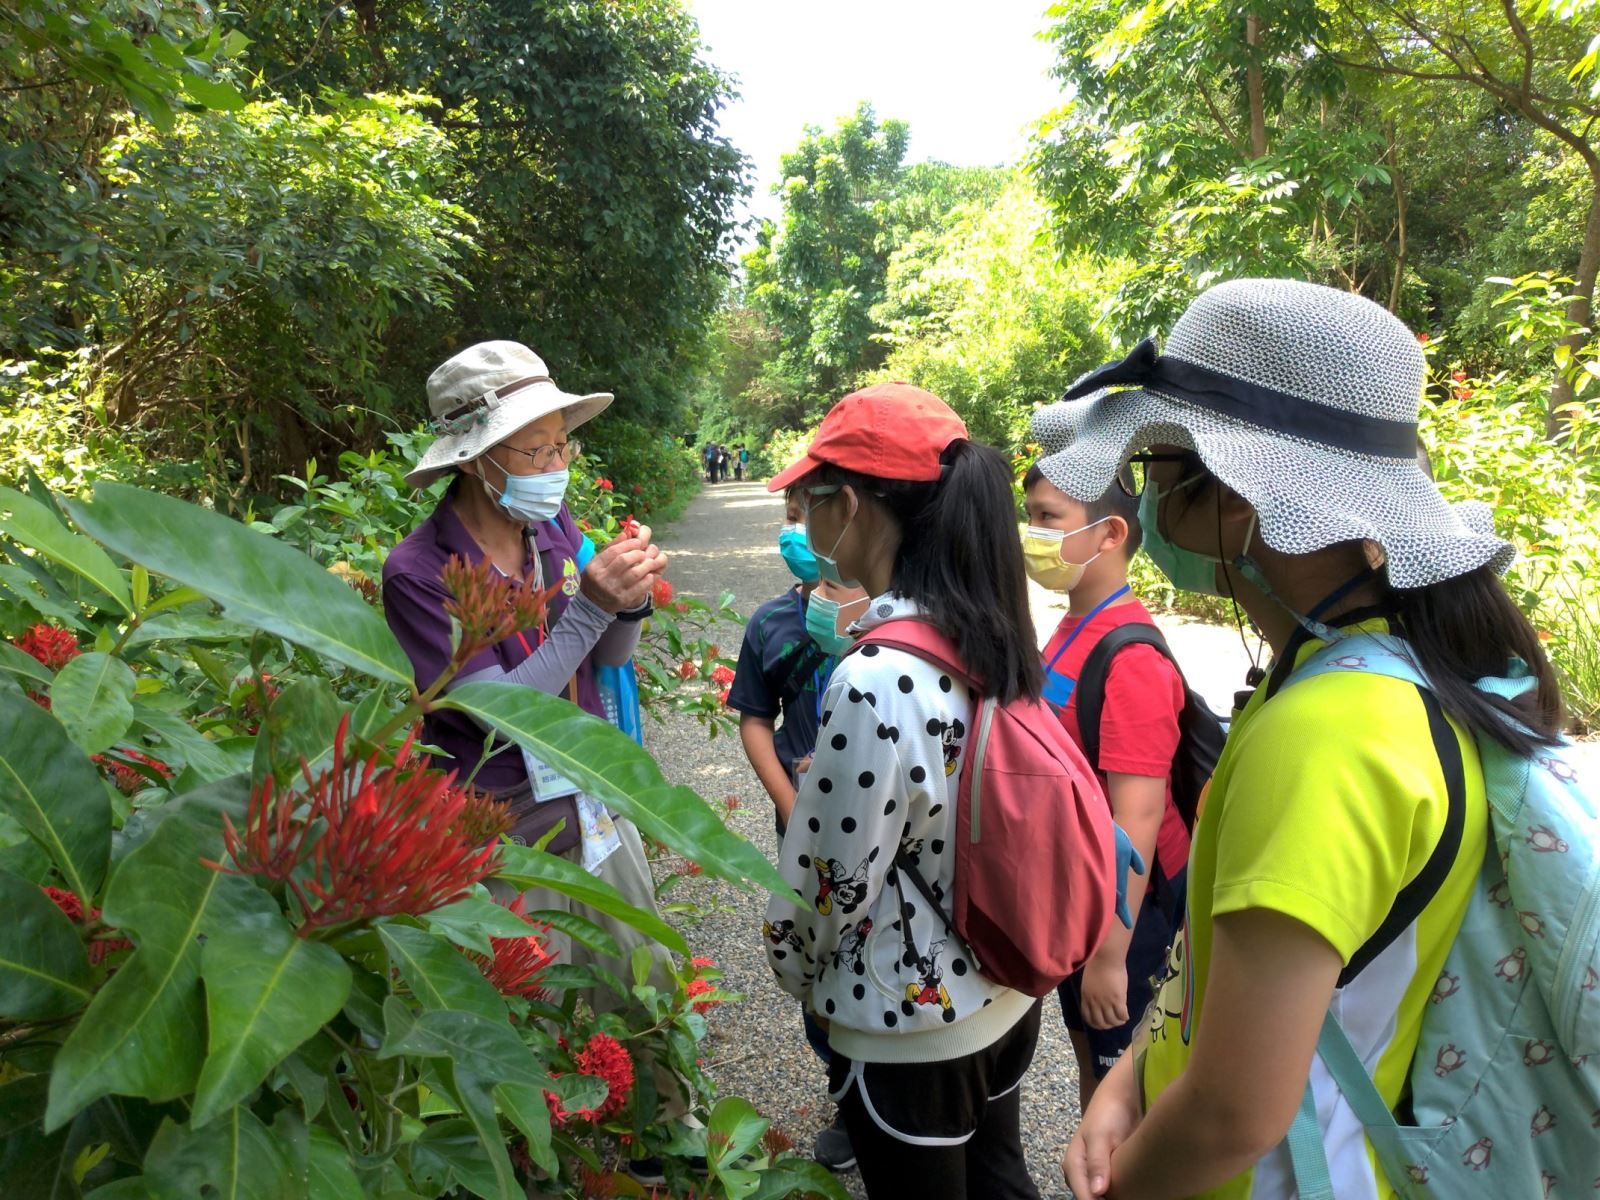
{"x": 1200, "y": 733}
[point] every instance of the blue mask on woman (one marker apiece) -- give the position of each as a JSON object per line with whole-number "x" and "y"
{"x": 1188, "y": 570}
{"x": 533, "y": 498}
{"x": 797, "y": 554}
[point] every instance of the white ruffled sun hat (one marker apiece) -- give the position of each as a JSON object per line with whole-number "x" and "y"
{"x": 485, "y": 394}
{"x": 1301, "y": 398}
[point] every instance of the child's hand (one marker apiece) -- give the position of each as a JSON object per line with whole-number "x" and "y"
{"x": 1113, "y": 1115}
{"x": 1105, "y": 993}
{"x": 802, "y": 765}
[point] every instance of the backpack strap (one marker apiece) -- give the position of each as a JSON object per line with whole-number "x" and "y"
{"x": 916, "y": 636}
{"x": 1091, "y": 687}
{"x": 802, "y": 660}
{"x": 1376, "y": 654}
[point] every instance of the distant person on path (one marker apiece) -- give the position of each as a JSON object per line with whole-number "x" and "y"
{"x": 1273, "y": 445}
{"x": 708, "y": 459}
{"x": 791, "y": 644}
{"x": 927, "y": 1055}
{"x": 505, "y": 434}
{"x": 1083, "y": 550}
{"x": 722, "y": 463}
{"x": 740, "y": 457}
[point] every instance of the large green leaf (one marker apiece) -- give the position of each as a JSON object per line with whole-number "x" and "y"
{"x": 471, "y": 921}
{"x": 256, "y": 579}
{"x": 438, "y": 974}
{"x": 37, "y": 527}
{"x": 267, "y": 991}
{"x": 140, "y": 1036}
{"x": 208, "y": 760}
{"x": 21, "y": 585}
{"x": 24, "y": 665}
{"x": 236, "y": 1158}
{"x": 44, "y": 972}
{"x": 615, "y": 770}
{"x": 798, "y": 1177}
{"x": 525, "y": 867}
{"x": 734, "y": 1129}
{"x": 331, "y": 1175}
{"x": 300, "y": 723}
{"x": 450, "y": 1152}
{"x": 93, "y": 698}
{"x": 53, "y": 791}
{"x": 523, "y": 1105}
{"x": 489, "y": 1049}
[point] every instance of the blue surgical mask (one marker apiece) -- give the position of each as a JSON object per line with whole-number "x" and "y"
{"x": 797, "y": 554}
{"x": 1189, "y": 570}
{"x": 532, "y": 498}
{"x": 822, "y": 623}
{"x": 827, "y": 565}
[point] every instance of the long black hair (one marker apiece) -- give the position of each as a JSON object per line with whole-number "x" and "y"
{"x": 960, "y": 559}
{"x": 1462, "y": 630}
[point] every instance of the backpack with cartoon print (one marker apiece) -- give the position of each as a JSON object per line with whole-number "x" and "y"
{"x": 1505, "y": 1084}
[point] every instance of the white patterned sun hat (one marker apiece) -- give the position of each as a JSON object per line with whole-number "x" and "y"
{"x": 1301, "y": 398}
{"x": 485, "y": 394}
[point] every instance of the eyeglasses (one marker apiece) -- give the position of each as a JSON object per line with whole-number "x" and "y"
{"x": 1135, "y": 473}
{"x": 546, "y": 458}
{"x": 810, "y": 495}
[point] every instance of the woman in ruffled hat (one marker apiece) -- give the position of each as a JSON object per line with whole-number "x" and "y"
{"x": 1273, "y": 446}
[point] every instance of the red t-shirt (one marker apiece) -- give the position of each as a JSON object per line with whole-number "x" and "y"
{"x": 1139, "y": 720}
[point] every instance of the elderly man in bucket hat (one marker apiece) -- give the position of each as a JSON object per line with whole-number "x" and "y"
{"x": 505, "y": 433}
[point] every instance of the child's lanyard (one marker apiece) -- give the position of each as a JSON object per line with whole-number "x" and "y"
{"x": 1078, "y": 628}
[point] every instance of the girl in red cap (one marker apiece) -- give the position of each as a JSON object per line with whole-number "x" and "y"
{"x": 927, "y": 1054}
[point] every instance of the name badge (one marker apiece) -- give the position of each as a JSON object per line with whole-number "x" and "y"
{"x": 547, "y": 782}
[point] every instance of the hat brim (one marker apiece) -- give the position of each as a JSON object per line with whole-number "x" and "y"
{"x": 450, "y": 450}
{"x": 1307, "y": 496}
{"x": 789, "y": 474}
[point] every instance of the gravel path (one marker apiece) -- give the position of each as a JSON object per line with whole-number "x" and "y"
{"x": 726, "y": 541}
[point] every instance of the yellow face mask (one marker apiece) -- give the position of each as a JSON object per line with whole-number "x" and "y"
{"x": 1041, "y": 556}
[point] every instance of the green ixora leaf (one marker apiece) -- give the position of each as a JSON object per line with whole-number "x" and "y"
{"x": 93, "y": 698}
{"x": 615, "y": 770}
{"x": 49, "y": 787}
{"x": 40, "y": 529}
{"x": 256, "y": 579}
{"x": 44, "y": 972}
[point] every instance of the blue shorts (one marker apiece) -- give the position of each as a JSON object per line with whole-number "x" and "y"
{"x": 1147, "y": 957}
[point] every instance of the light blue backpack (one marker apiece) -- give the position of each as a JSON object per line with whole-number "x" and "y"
{"x": 1505, "y": 1085}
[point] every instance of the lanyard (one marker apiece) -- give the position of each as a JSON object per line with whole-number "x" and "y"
{"x": 1078, "y": 628}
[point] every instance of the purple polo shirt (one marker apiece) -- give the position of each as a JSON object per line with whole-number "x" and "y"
{"x": 414, "y": 596}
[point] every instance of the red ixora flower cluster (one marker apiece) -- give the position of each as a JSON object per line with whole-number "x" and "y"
{"x": 604, "y": 1058}
{"x": 605, "y": 485}
{"x": 700, "y": 985}
{"x": 377, "y": 840}
{"x": 53, "y": 647}
{"x": 489, "y": 606}
{"x": 661, "y": 592}
{"x": 518, "y": 963}
{"x": 122, "y": 771}
{"x": 100, "y": 944}
{"x": 687, "y": 669}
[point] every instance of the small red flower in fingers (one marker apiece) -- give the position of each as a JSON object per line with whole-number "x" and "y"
{"x": 630, "y": 527}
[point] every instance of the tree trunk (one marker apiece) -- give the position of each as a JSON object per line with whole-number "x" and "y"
{"x": 1580, "y": 307}
{"x": 1399, "y": 219}
{"x": 1255, "y": 88}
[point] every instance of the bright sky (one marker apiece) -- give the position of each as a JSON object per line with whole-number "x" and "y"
{"x": 968, "y": 77}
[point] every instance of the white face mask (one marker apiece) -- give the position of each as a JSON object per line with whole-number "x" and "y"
{"x": 532, "y": 499}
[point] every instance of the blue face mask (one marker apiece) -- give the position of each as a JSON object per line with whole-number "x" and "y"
{"x": 797, "y": 554}
{"x": 822, "y": 623}
{"x": 534, "y": 499}
{"x": 827, "y": 565}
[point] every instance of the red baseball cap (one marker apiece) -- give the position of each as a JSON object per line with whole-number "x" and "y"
{"x": 887, "y": 431}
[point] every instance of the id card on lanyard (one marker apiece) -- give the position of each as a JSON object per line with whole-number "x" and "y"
{"x": 1058, "y": 687}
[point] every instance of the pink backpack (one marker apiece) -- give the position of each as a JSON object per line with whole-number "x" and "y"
{"x": 1035, "y": 878}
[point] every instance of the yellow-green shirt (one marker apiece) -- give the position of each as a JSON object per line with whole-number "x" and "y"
{"x": 1325, "y": 803}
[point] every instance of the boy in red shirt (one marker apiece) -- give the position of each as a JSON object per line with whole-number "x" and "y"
{"x": 1083, "y": 550}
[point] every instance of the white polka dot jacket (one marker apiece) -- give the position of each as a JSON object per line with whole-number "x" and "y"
{"x": 893, "y": 981}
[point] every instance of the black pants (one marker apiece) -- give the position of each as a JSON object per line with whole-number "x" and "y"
{"x": 989, "y": 1165}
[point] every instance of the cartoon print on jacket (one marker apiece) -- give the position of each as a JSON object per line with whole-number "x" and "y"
{"x": 832, "y": 880}
{"x": 783, "y": 937}
{"x": 930, "y": 987}
{"x": 852, "y": 944}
